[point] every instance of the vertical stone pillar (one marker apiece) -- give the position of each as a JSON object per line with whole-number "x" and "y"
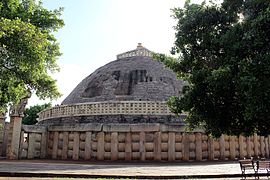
{"x": 262, "y": 147}
{"x": 157, "y": 146}
{"x": 232, "y": 148}
{"x": 88, "y": 146}
{"x": 14, "y": 133}
{"x": 211, "y": 149}
{"x": 241, "y": 147}
{"x": 65, "y": 145}
{"x": 114, "y": 146}
{"x": 222, "y": 147}
{"x": 256, "y": 145}
{"x": 171, "y": 146}
{"x": 55, "y": 144}
{"x": 100, "y": 146}
{"x": 31, "y": 146}
{"x": 76, "y": 146}
{"x": 266, "y": 147}
{"x": 2, "y": 132}
{"x": 43, "y": 148}
{"x": 22, "y": 153}
{"x": 248, "y": 148}
{"x": 142, "y": 145}
{"x": 15, "y": 136}
{"x": 128, "y": 149}
{"x": 185, "y": 143}
{"x": 198, "y": 142}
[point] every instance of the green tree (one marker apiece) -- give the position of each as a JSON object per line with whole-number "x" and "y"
{"x": 224, "y": 55}
{"x": 28, "y": 50}
{"x": 31, "y": 113}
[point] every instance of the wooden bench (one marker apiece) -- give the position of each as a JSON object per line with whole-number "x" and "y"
{"x": 247, "y": 165}
{"x": 263, "y": 166}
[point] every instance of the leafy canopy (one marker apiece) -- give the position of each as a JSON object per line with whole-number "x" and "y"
{"x": 28, "y": 50}
{"x": 224, "y": 55}
{"x": 31, "y": 113}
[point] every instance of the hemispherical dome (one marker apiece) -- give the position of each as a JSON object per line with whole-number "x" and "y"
{"x": 129, "y": 78}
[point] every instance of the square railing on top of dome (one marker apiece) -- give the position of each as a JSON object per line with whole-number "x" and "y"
{"x": 136, "y": 52}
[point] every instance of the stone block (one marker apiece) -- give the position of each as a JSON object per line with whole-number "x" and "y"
{"x": 55, "y": 145}
{"x": 88, "y": 149}
{"x": 172, "y": 128}
{"x": 65, "y": 145}
{"x": 171, "y": 146}
{"x": 14, "y": 135}
{"x": 34, "y": 128}
{"x": 116, "y": 128}
{"x": 157, "y": 146}
{"x": 100, "y": 146}
{"x": 128, "y": 148}
{"x": 114, "y": 146}
{"x": 77, "y": 127}
{"x": 144, "y": 127}
{"x": 76, "y": 145}
{"x": 121, "y": 137}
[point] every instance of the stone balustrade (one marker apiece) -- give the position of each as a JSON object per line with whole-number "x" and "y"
{"x": 107, "y": 108}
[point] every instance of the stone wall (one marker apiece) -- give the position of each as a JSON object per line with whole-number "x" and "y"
{"x": 136, "y": 142}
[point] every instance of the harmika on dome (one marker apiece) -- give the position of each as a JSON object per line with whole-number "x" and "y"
{"x": 132, "y": 89}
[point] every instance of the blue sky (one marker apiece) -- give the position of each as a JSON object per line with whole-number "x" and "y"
{"x": 96, "y": 31}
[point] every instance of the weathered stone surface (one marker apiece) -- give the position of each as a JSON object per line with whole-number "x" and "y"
{"x": 129, "y": 119}
{"x": 132, "y": 78}
{"x": 172, "y": 128}
{"x": 77, "y": 127}
{"x": 144, "y": 127}
{"x": 116, "y": 128}
{"x": 14, "y": 137}
{"x": 34, "y": 128}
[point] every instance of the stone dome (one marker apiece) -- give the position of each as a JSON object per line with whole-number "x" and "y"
{"x": 134, "y": 76}
{"x": 132, "y": 89}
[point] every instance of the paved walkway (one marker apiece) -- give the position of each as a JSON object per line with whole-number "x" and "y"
{"x": 120, "y": 169}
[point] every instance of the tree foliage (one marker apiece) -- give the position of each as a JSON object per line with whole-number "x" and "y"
{"x": 28, "y": 50}
{"x": 224, "y": 55}
{"x": 31, "y": 113}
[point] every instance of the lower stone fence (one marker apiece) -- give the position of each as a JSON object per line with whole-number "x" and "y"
{"x": 135, "y": 142}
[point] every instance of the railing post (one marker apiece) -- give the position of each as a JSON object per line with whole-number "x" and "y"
{"x": 198, "y": 142}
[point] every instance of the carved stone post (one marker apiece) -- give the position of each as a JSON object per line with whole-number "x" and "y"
{"x": 14, "y": 132}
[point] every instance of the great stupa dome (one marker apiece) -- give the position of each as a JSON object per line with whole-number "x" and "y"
{"x": 132, "y": 77}
{"x": 132, "y": 89}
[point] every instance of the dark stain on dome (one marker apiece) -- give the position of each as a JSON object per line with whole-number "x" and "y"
{"x": 128, "y": 81}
